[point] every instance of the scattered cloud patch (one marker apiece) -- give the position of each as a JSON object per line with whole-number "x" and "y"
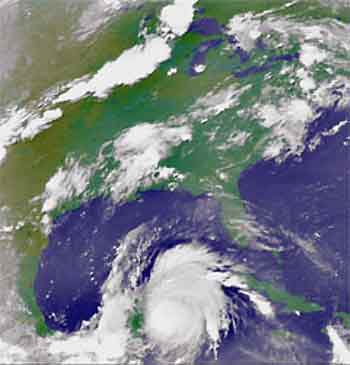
{"x": 235, "y": 139}
{"x": 113, "y": 4}
{"x": 217, "y": 101}
{"x": 336, "y": 128}
{"x": 334, "y": 91}
{"x": 172, "y": 71}
{"x": 311, "y": 54}
{"x": 199, "y": 68}
{"x": 246, "y": 28}
{"x": 21, "y": 124}
{"x": 36, "y": 125}
{"x": 140, "y": 150}
{"x": 10, "y": 125}
{"x": 262, "y": 304}
{"x": 306, "y": 82}
{"x": 66, "y": 183}
{"x": 288, "y": 124}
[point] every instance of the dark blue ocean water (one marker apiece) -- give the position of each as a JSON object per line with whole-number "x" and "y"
{"x": 299, "y": 202}
{"x": 304, "y": 202}
{"x": 205, "y": 27}
{"x": 82, "y": 246}
{"x": 304, "y": 199}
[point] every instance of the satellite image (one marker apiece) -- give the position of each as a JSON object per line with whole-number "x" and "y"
{"x": 175, "y": 182}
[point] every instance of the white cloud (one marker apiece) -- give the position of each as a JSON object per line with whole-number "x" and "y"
{"x": 20, "y": 124}
{"x": 7, "y": 2}
{"x": 131, "y": 66}
{"x": 306, "y": 82}
{"x": 172, "y": 71}
{"x": 178, "y": 16}
{"x": 217, "y": 101}
{"x": 288, "y": 123}
{"x": 36, "y": 125}
{"x": 140, "y": 150}
{"x": 64, "y": 184}
{"x": 235, "y": 139}
{"x": 11, "y": 354}
{"x": 324, "y": 94}
{"x": 336, "y": 128}
{"x": 262, "y": 304}
{"x": 199, "y": 315}
{"x": 10, "y": 127}
{"x": 106, "y": 344}
{"x": 341, "y": 353}
{"x": 113, "y": 4}
{"x": 311, "y": 54}
{"x": 199, "y": 68}
{"x": 246, "y": 28}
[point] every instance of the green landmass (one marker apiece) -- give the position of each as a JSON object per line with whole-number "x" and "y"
{"x": 345, "y": 317}
{"x": 292, "y": 302}
{"x": 135, "y": 322}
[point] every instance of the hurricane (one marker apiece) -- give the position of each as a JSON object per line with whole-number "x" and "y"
{"x": 185, "y": 305}
{"x": 172, "y": 282}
